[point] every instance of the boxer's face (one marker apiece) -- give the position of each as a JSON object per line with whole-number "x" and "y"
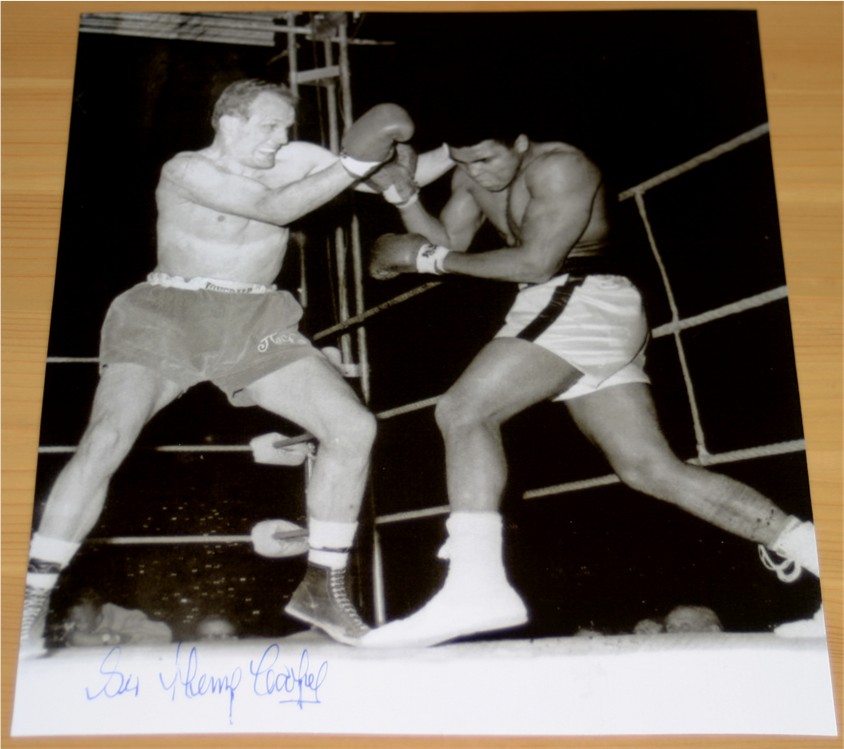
{"x": 490, "y": 163}
{"x": 255, "y": 141}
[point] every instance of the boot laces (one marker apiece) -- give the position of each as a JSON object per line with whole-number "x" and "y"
{"x": 34, "y": 601}
{"x": 786, "y": 569}
{"x": 337, "y": 585}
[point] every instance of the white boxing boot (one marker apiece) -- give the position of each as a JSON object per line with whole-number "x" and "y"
{"x": 798, "y": 551}
{"x": 797, "y": 548}
{"x": 476, "y": 596}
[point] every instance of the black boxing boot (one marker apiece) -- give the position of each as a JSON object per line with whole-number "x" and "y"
{"x": 322, "y": 600}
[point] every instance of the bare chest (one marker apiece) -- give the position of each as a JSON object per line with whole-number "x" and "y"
{"x": 195, "y": 240}
{"x": 506, "y": 210}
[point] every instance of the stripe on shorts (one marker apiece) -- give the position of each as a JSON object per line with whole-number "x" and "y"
{"x": 559, "y": 299}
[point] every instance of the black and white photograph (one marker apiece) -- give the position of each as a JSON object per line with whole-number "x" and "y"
{"x": 421, "y": 373}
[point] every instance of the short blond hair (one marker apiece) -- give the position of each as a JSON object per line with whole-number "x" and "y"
{"x": 237, "y": 97}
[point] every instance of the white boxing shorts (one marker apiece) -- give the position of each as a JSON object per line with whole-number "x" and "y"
{"x": 596, "y": 323}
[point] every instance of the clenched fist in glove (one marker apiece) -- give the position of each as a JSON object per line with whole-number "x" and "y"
{"x": 371, "y": 140}
{"x": 405, "y": 253}
{"x": 395, "y": 178}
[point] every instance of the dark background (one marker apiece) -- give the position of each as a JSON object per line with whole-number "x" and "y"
{"x": 640, "y": 91}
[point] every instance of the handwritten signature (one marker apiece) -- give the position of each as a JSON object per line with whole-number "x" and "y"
{"x": 272, "y": 675}
{"x": 189, "y": 682}
{"x": 299, "y": 686}
{"x": 117, "y": 682}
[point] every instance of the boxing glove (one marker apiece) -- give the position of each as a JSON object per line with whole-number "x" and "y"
{"x": 393, "y": 254}
{"x": 370, "y": 140}
{"x": 395, "y": 179}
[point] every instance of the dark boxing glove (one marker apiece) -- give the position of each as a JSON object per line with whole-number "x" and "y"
{"x": 395, "y": 179}
{"x": 405, "y": 253}
{"x": 370, "y": 140}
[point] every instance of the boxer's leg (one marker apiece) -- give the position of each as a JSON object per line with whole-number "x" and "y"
{"x": 622, "y": 422}
{"x": 506, "y": 377}
{"x": 127, "y": 396}
{"x": 312, "y": 394}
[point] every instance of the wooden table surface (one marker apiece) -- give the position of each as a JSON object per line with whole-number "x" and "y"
{"x": 802, "y": 57}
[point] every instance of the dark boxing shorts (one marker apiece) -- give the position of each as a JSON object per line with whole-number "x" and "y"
{"x": 197, "y": 330}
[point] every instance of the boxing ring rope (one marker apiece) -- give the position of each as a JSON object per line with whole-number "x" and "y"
{"x": 673, "y": 328}
{"x": 640, "y": 189}
{"x": 675, "y": 317}
{"x": 366, "y": 314}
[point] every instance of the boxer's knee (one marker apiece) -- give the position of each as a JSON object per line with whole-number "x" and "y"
{"x": 103, "y": 446}
{"x": 646, "y": 472}
{"x": 455, "y": 414}
{"x": 364, "y": 428}
{"x": 353, "y": 434}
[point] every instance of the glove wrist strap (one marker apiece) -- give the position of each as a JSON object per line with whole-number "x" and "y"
{"x": 356, "y": 167}
{"x": 430, "y": 259}
{"x": 391, "y": 195}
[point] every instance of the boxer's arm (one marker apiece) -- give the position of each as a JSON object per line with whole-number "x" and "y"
{"x": 432, "y": 165}
{"x": 562, "y": 189}
{"x": 429, "y": 239}
{"x": 458, "y": 222}
{"x": 368, "y": 142}
{"x": 199, "y": 180}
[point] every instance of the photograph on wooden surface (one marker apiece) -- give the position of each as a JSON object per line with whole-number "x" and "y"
{"x": 421, "y": 373}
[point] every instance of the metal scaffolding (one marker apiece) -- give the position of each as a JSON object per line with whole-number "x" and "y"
{"x": 333, "y": 75}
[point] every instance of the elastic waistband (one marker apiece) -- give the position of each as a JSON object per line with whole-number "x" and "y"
{"x": 589, "y": 265}
{"x": 558, "y": 281}
{"x": 575, "y": 279}
{"x": 198, "y": 283}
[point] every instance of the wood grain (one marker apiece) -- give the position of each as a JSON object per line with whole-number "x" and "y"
{"x": 802, "y": 56}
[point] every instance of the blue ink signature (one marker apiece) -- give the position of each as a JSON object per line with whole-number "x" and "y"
{"x": 289, "y": 683}
{"x": 299, "y": 686}
{"x": 117, "y": 683}
{"x": 187, "y": 680}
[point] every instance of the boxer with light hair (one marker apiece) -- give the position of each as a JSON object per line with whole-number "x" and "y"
{"x": 576, "y": 333}
{"x": 209, "y": 311}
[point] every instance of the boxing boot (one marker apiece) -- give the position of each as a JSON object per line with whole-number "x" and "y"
{"x": 476, "y": 596}
{"x": 322, "y": 600}
{"x": 40, "y": 581}
{"x": 48, "y": 556}
{"x": 796, "y": 550}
